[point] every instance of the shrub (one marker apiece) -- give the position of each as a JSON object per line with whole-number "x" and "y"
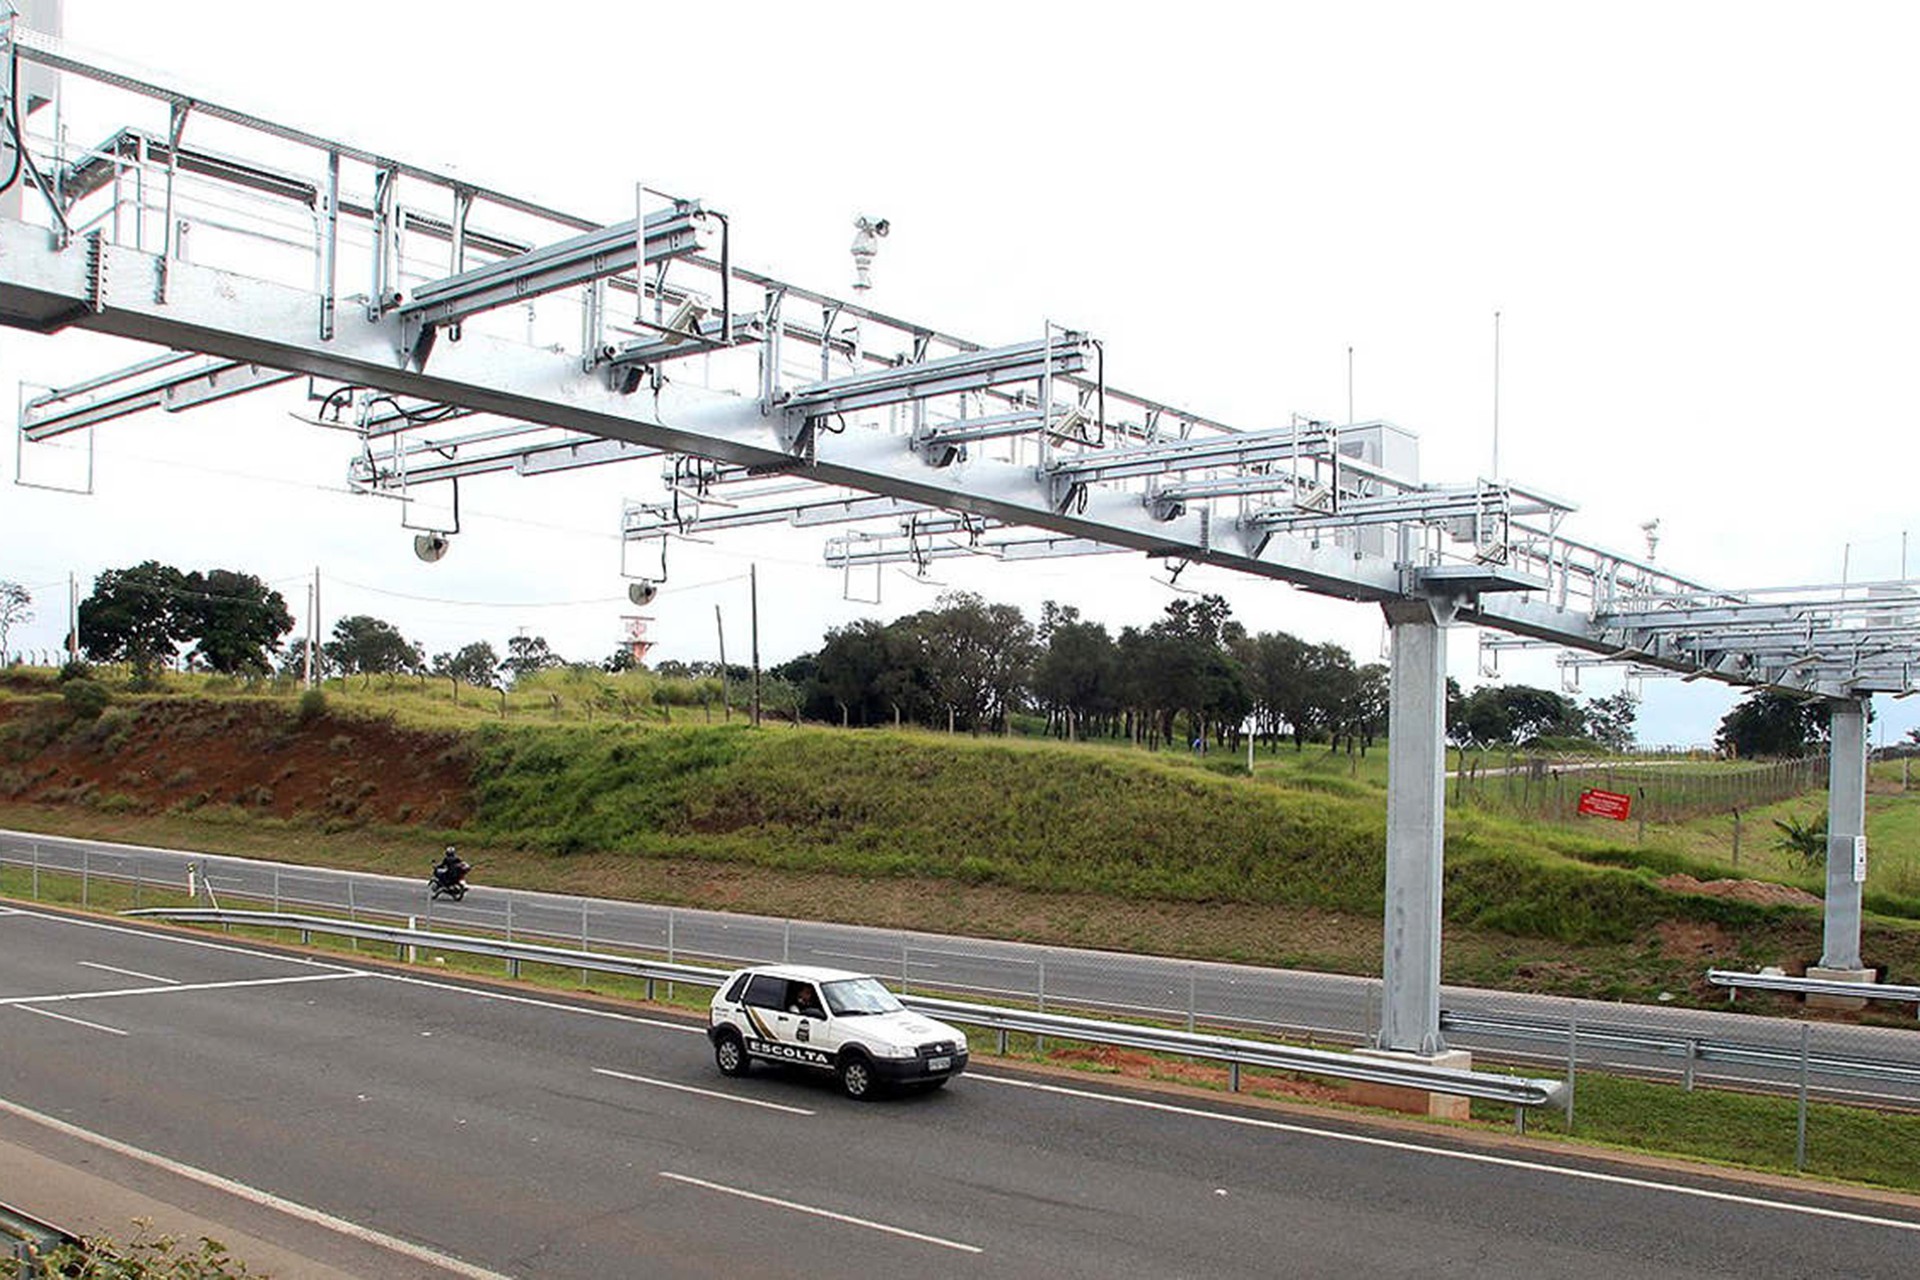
{"x": 313, "y": 705}
{"x": 86, "y": 699}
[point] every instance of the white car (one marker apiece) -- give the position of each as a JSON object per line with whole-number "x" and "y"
{"x": 830, "y": 1020}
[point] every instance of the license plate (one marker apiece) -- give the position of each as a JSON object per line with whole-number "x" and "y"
{"x": 939, "y": 1064}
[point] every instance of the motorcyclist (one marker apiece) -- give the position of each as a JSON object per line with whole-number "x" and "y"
{"x": 451, "y": 867}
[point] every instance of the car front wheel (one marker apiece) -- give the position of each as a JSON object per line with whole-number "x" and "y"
{"x": 730, "y": 1055}
{"x": 856, "y": 1077}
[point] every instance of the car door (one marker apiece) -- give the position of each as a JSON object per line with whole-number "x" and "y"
{"x": 776, "y": 1032}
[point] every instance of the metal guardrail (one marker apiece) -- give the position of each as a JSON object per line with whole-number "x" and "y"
{"x": 24, "y": 1237}
{"x": 1514, "y": 1091}
{"x": 1690, "y": 1049}
{"x": 1734, "y": 981}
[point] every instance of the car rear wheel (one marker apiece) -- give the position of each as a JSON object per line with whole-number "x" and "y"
{"x": 856, "y": 1077}
{"x": 730, "y": 1055}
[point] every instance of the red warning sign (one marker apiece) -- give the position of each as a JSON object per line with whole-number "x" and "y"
{"x": 1606, "y": 804}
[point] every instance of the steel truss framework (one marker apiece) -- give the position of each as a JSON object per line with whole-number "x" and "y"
{"x": 459, "y": 331}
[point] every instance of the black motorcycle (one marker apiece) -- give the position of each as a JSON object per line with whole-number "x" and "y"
{"x": 449, "y": 881}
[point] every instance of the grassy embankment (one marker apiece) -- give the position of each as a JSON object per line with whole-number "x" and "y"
{"x": 584, "y": 787}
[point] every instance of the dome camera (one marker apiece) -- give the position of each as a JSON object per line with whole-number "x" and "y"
{"x": 643, "y": 591}
{"x": 429, "y": 546}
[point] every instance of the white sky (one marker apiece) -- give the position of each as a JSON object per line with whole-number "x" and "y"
{"x": 1696, "y": 220}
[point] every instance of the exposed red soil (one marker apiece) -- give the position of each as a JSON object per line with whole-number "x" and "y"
{"x": 163, "y": 754}
{"x": 1764, "y": 893}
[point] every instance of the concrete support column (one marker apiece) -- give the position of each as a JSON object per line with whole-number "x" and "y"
{"x": 1416, "y": 815}
{"x": 1846, "y": 833}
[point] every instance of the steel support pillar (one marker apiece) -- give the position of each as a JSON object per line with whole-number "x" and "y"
{"x": 1846, "y": 836}
{"x": 1416, "y": 816}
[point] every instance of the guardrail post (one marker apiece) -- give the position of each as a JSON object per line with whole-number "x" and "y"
{"x": 1233, "y": 1077}
{"x": 1573, "y": 1047}
{"x": 1800, "y": 1138}
{"x": 409, "y": 950}
{"x": 1040, "y": 1003}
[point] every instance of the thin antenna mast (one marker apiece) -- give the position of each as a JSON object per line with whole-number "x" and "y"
{"x": 1349, "y": 384}
{"x": 1496, "y": 397}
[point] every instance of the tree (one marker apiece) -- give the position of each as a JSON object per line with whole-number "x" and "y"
{"x": 293, "y": 662}
{"x": 1073, "y": 677}
{"x": 367, "y": 646}
{"x": 528, "y": 654}
{"x": 621, "y": 659}
{"x": 475, "y": 664}
{"x": 134, "y": 616}
{"x": 14, "y": 600}
{"x": 977, "y": 656}
{"x": 1767, "y": 723}
{"x": 1804, "y": 842}
{"x": 1610, "y": 720}
{"x": 234, "y": 619}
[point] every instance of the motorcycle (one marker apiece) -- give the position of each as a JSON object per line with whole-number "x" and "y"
{"x": 449, "y": 882}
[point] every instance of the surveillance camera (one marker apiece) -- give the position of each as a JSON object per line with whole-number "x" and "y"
{"x": 643, "y": 591}
{"x": 872, "y": 226}
{"x": 429, "y": 546}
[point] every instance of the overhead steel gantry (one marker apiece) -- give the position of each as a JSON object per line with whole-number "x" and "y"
{"x": 458, "y": 331}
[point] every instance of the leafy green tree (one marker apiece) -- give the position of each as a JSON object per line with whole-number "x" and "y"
{"x": 1767, "y": 723}
{"x": 977, "y": 656}
{"x": 14, "y": 602}
{"x": 528, "y": 654}
{"x": 365, "y": 645}
{"x": 1610, "y": 720}
{"x": 475, "y": 664}
{"x": 134, "y": 616}
{"x": 234, "y": 619}
{"x": 621, "y": 659}
{"x": 293, "y": 661}
{"x": 1074, "y": 675}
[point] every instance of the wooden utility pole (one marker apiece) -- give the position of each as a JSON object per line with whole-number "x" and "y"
{"x": 753, "y": 596}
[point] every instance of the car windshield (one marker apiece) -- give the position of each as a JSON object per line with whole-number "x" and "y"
{"x": 856, "y": 996}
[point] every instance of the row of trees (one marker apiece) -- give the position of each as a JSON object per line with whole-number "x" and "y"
{"x": 1193, "y": 675}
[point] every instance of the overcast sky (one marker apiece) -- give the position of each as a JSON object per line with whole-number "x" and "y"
{"x": 1696, "y": 220}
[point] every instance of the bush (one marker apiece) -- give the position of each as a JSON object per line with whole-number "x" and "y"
{"x": 86, "y": 699}
{"x": 145, "y": 1257}
{"x": 75, "y": 670}
{"x": 313, "y": 705}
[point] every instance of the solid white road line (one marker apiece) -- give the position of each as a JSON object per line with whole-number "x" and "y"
{"x": 1469, "y": 1157}
{"x": 78, "y": 1022}
{"x": 153, "y": 935}
{"x": 254, "y": 1195}
{"x": 705, "y": 1093}
{"x": 507, "y": 997}
{"x": 179, "y": 987}
{"x": 821, "y": 1213}
{"x": 131, "y": 973}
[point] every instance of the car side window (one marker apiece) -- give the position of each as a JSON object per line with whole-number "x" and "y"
{"x": 803, "y": 999}
{"x": 766, "y": 992}
{"x": 734, "y": 989}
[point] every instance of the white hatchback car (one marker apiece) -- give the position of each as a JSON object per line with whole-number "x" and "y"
{"x": 830, "y": 1020}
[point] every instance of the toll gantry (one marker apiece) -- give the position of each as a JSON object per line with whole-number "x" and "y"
{"x": 454, "y": 331}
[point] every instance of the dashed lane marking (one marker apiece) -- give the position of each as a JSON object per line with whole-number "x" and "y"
{"x": 828, "y": 1214}
{"x": 705, "y": 1093}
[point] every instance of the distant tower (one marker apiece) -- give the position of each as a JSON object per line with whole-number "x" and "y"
{"x": 637, "y": 643}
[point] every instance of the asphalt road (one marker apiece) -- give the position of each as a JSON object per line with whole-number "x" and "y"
{"x": 530, "y": 1136}
{"x": 1327, "y": 1006}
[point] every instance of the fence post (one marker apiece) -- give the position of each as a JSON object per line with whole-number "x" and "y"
{"x": 36, "y": 871}
{"x": 1800, "y": 1138}
{"x": 1736, "y": 838}
{"x": 276, "y": 892}
{"x": 138, "y": 876}
{"x": 786, "y": 941}
{"x": 585, "y": 947}
{"x": 510, "y": 927}
{"x": 1193, "y": 996}
{"x": 353, "y": 943}
{"x": 1040, "y": 1042}
{"x": 84, "y": 873}
{"x": 903, "y": 964}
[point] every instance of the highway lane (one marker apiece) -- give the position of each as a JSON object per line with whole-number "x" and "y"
{"x": 1327, "y": 1006}
{"x": 526, "y": 1135}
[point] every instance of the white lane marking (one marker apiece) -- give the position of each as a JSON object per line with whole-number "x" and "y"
{"x": 131, "y": 973}
{"x": 78, "y": 1022}
{"x": 1469, "y": 1157}
{"x": 152, "y": 934}
{"x": 508, "y": 997}
{"x": 705, "y": 1093}
{"x": 821, "y": 1213}
{"x": 254, "y": 1195}
{"x": 179, "y": 987}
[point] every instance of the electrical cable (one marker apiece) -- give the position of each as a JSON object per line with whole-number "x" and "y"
{"x": 13, "y": 118}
